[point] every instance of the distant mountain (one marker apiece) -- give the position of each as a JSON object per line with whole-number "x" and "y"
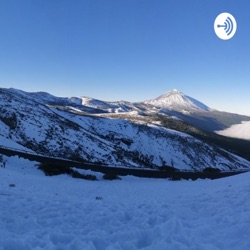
{"x": 139, "y": 135}
{"x": 177, "y": 101}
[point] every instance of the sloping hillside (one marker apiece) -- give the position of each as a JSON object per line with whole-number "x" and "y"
{"x": 28, "y": 121}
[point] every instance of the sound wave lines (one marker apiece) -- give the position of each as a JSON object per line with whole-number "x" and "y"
{"x": 228, "y": 26}
{"x": 225, "y": 26}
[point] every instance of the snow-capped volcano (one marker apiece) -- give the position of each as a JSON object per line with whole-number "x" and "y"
{"x": 176, "y": 100}
{"x": 49, "y": 125}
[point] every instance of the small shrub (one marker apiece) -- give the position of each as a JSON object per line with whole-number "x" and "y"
{"x": 98, "y": 198}
{"x": 51, "y": 169}
{"x": 111, "y": 177}
{"x": 78, "y": 175}
{"x": 175, "y": 178}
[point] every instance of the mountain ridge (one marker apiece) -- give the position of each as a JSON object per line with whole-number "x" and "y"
{"x": 173, "y": 103}
{"x": 131, "y": 138}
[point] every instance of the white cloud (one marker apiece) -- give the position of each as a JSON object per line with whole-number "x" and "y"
{"x": 241, "y": 131}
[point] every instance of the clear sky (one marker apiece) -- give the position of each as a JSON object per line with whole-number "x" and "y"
{"x": 126, "y": 49}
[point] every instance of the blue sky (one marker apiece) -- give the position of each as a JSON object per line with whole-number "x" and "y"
{"x": 126, "y": 49}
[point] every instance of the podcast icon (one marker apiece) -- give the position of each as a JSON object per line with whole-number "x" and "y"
{"x": 225, "y": 26}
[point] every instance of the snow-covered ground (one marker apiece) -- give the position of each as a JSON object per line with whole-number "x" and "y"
{"x": 60, "y": 212}
{"x": 241, "y": 131}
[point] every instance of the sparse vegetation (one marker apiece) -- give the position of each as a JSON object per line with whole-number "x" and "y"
{"x": 168, "y": 169}
{"x": 78, "y": 175}
{"x": 51, "y": 169}
{"x": 211, "y": 170}
{"x": 111, "y": 177}
{"x": 10, "y": 119}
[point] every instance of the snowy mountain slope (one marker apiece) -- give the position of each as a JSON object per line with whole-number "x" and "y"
{"x": 111, "y": 107}
{"x": 37, "y": 127}
{"x": 159, "y": 145}
{"x": 72, "y": 103}
{"x": 174, "y": 103}
{"x": 133, "y": 213}
{"x": 176, "y": 100}
{"x": 27, "y": 121}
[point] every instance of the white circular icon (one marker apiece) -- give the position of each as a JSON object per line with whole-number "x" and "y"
{"x": 225, "y": 26}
